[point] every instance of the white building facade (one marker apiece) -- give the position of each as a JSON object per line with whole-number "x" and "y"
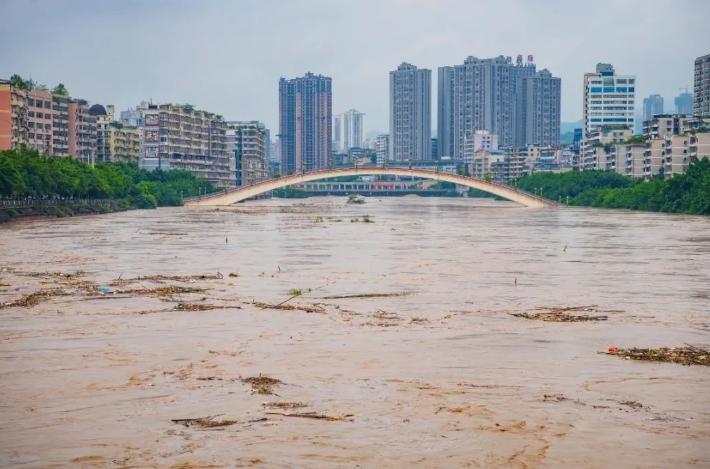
{"x": 609, "y": 99}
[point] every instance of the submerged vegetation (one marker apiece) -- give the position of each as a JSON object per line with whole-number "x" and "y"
{"x": 682, "y": 193}
{"x": 24, "y": 173}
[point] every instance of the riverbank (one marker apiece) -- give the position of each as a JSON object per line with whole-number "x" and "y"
{"x": 62, "y": 209}
{"x": 281, "y": 333}
{"x": 683, "y": 193}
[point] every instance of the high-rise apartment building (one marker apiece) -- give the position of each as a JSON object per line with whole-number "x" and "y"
{"x": 382, "y": 148}
{"x": 349, "y": 130}
{"x": 177, "y": 136}
{"x": 410, "y": 114}
{"x": 608, "y": 99}
{"x": 701, "y": 99}
{"x": 247, "y": 142}
{"x": 485, "y": 94}
{"x": 652, "y": 105}
{"x": 538, "y": 110}
{"x": 684, "y": 103}
{"x": 305, "y": 123}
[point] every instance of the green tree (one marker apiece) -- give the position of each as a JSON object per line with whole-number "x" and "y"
{"x": 61, "y": 90}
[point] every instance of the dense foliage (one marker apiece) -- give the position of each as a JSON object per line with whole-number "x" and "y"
{"x": 683, "y": 193}
{"x": 23, "y": 173}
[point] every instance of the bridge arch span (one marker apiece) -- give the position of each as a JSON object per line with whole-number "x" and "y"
{"x": 239, "y": 194}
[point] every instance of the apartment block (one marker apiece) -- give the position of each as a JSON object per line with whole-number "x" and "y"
{"x": 247, "y": 142}
{"x": 410, "y": 114}
{"x": 701, "y": 95}
{"x": 652, "y": 105}
{"x": 349, "y": 130}
{"x": 634, "y": 160}
{"x": 538, "y": 110}
{"x": 595, "y": 150}
{"x": 608, "y": 99}
{"x": 479, "y": 140}
{"x": 81, "y": 125}
{"x": 684, "y": 103}
{"x": 13, "y": 116}
{"x": 673, "y": 124}
{"x": 509, "y": 99}
{"x": 178, "y": 136}
{"x": 305, "y": 123}
{"x": 40, "y": 118}
{"x": 124, "y": 143}
{"x": 382, "y": 147}
{"x": 653, "y": 158}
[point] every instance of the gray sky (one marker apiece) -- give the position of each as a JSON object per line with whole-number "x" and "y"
{"x": 227, "y": 56}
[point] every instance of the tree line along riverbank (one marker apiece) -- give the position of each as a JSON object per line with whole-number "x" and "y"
{"x": 683, "y": 193}
{"x": 33, "y": 185}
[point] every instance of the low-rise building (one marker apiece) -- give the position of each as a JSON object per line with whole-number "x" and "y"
{"x": 178, "y": 136}
{"x": 247, "y": 142}
{"x": 13, "y": 116}
{"x": 124, "y": 143}
{"x": 673, "y": 124}
{"x": 81, "y": 126}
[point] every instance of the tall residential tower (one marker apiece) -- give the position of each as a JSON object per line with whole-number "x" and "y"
{"x": 305, "y": 123}
{"x": 701, "y": 103}
{"x": 486, "y": 94}
{"x": 349, "y": 130}
{"x": 410, "y": 114}
{"x": 652, "y": 105}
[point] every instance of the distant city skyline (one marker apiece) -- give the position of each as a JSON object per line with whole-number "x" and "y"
{"x": 67, "y": 42}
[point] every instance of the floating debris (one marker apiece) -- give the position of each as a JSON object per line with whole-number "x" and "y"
{"x": 307, "y": 308}
{"x": 34, "y": 299}
{"x": 202, "y": 307}
{"x": 262, "y": 384}
{"x": 315, "y": 415}
{"x": 367, "y": 295}
{"x": 564, "y": 314}
{"x": 554, "y": 397}
{"x": 354, "y": 199}
{"x": 233, "y": 274}
{"x": 283, "y": 405}
{"x": 688, "y": 355}
{"x": 167, "y": 278}
{"x": 162, "y": 291}
{"x": 205, "y": 422}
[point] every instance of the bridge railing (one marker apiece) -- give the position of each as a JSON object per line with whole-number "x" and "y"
{"x": 425, "y": 174}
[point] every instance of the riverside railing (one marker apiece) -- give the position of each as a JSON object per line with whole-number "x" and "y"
{"x": 35, "y": 202}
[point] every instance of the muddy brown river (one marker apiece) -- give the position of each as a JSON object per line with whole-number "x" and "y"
{"x": 330, "y": 341}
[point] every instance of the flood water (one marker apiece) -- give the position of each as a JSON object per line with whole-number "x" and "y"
{"x": 440, "y": 373}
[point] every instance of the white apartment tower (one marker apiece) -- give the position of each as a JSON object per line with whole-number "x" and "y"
{"x": 608, "y": 99}
{"x": 349, "y": 130}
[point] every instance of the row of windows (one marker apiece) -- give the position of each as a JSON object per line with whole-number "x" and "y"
{"x": 39, "y": 103}
{"x": 620, "y": 81}
{"x": 612, "y": 89}
{"x": 39, "y": 115}
{"x": 612, "y": 119}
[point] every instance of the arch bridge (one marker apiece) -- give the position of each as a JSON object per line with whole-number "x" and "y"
{"x": 239, "y": 194}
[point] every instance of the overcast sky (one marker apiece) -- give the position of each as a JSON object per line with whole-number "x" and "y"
{"x": 227, "y": 56}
